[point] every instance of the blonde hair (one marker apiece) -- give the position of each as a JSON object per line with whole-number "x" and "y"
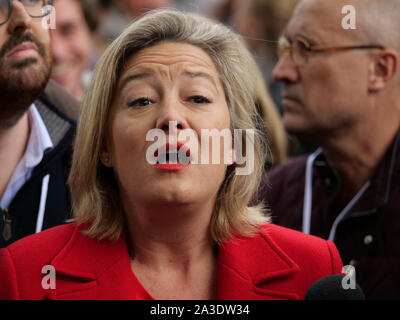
{"x": 94, "y": 190}
{"x": 273, "y": 125}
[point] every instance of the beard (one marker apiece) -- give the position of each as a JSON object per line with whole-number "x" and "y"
{"x": 21, "y": 83}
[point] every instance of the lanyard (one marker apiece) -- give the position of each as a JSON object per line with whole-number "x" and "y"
{"x": 307, "y": 205}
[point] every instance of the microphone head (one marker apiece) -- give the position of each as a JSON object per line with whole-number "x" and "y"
{"x": 331, "y": 288}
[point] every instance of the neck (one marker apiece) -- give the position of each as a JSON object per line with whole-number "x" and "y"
{"x": 13, "y": 140}
{"x": 172, "y": 251}
{"x": 356, "y": 155}
{"x": 174, "y": 234}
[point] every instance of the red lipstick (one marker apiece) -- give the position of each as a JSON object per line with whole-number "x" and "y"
{"x": 168, "y": 157}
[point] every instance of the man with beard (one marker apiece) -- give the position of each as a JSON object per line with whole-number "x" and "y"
{"x": 35, "y": 135}
{"x": 342, "y": 90}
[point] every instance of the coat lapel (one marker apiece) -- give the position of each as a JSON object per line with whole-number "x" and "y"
{"x": 252, "y": 268}
{"x": 248, "y": 268}
{"x": 90, "y": 269}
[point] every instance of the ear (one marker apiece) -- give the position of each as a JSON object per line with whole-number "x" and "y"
{"x": 105, "y": 159}
{"x": 382, "y": 69}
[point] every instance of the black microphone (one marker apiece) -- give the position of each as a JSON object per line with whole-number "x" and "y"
{"x": 331, "y": 288}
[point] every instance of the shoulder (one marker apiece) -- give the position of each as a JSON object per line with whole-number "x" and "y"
{"x": 63, "y": 100}
{"x": 310, "y": 253}
{"x": 21, "y": 263}
{"x": 281, "y": 260}
{"x": 41, "y": 247}
{"x": 299, "y": 245}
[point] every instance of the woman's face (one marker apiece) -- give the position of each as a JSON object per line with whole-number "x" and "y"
{"x": 163, "y": 83}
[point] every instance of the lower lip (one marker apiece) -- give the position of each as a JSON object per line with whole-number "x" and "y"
{"x": 171, "y": 167}
{"x": 290, "y": 102}
{"x": 25, "y": 53}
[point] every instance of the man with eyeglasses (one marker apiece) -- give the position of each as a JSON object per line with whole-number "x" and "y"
{"x": 35, "y": 134}
{"x": 342, "y": 90}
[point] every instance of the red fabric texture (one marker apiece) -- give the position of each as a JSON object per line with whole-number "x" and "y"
{"x": 278, "y": 263}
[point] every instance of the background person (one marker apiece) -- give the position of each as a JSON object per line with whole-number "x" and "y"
{"x": 342, "y": 89}
{"x": 166, "y": 231}
{"x": 35, "y": 135}
{"x": 120, "y": 14}
{"x": 73, "y": 45}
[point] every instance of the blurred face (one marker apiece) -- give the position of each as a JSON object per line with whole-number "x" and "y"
{"x": 166, "y": 82}
{"x": 329, "y": 92}
{"x": 25, "y": 62}
{"x": 137, "y": 7}
{"x": 71, "y": 46}
{"x": 248, "y": 24}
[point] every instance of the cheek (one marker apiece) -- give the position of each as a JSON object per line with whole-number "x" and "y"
{"x": 128, "y": 138}
{"x": 83, "y": 44}
{"x": 123, "y": 139}
{"x": 221, "y": 119}
{"x": 81, "y": 57}
{"x": 42, "y": 35}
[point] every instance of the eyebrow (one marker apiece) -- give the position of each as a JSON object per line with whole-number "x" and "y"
{"x": 145, "y": 75}
{"x": 130, "y": 78}
{"x": 201, "y": 75}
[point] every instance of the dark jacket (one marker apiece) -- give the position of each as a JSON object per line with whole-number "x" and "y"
{"x": 23, "y": 210}
{"x": 367, "y": 237}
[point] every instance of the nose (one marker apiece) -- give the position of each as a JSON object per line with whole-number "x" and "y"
{"x": 171, "y": 117}
{"x": 286, "y": 70}
{"x": 20, "y": 19}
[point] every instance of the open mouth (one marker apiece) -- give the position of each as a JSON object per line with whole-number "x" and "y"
{"x": 172, "y": 157}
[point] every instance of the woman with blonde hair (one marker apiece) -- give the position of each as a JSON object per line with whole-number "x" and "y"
{"x": 149, "y": 226}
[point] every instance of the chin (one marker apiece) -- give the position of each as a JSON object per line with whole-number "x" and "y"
{"x": 174, "y": 196}
{"x": 29, "y": 75}
{"x": 20, "y": 86}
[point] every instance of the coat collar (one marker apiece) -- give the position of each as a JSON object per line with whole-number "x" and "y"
{"x": 245, "y": 267}
{"x": 83, "y": 273}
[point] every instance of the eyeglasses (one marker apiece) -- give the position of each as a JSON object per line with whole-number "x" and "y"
{"x": 300, "y": 50}
{"x": 35, "y": 8}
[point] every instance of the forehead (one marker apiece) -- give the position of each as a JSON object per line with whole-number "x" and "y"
{"x": 320, "y": 20}
{"x": 68, "y": 10}
{"x": 170, "y": 56}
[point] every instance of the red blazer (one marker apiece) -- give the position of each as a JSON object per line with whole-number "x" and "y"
{"x": 278, "y": 263}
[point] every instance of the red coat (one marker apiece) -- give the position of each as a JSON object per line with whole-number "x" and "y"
{"x": 278, "y": 263}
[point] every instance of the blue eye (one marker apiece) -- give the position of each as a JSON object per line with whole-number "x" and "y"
{"x": 140, "y": 102}
{"x": 199, "y": 99}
